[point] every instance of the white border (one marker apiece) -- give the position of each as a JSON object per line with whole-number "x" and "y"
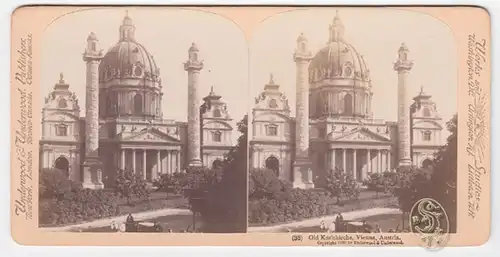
{"x": 9, "y": 248}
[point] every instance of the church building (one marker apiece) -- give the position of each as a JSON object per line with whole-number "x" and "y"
{"x": 123, "y": 125}
{"x": 334, "y": 126}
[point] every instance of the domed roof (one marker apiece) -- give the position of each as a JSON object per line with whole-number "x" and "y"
{"x": 338, "y": 59}
{"x": 128, "y": 58}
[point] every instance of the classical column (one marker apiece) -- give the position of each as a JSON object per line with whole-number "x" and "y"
{"x": 354, "y": 163}
{"x": 254, "y": 159}
{"x": 193, "y": 67}
{"x": 343, "y": 160}
{"x": 133, "y": 162}
{"x": 122, "y": 166}
{"x": 368, "y": 162}
{"x": 389, "y": 164}
{"x": 92, "y": 166}
{"x": 403, "y": 67}
{"x": 302, "y": 165}
{"x": 169, "y": 161}
{"x": 379, "y": 162}
{"x": 333, "y": 159}
{"x": 158, "y": 165}
{"x": 145, "y": 165}
{"x": 178, "y": 161}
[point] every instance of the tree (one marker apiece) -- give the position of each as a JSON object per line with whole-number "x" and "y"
{"x": 225, "y": 201}
{"x": 128, "y": 185}
{"x": 263, "y": 183}
{"x": 444, "y": 178}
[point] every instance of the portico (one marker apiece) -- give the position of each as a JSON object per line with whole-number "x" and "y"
{"x": 359, "y": 160}
{"x": 149, "y": 162}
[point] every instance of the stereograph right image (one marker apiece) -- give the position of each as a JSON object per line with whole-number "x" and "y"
{"x": 353, "y": 126}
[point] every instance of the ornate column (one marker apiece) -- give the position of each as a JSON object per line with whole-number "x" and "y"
{"x": 333, "y": 159}
{"x": 92, "y": 166}
{"x": 193, "y": 66}
{"x": 403, "y": 67}
{"x": 254, "y": 159}
{"x": 122, "y": 166}
{"x": 343, "y": 161}
{"x": 134, "y": 167}
{"x": 354, "y": 163}
{"x": 302, "y": 166}
{"x": 145, "y": 165}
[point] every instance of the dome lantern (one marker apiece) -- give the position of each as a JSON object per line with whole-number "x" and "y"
{"x": 127, "y": 29}
{"x": 336, "y": 29}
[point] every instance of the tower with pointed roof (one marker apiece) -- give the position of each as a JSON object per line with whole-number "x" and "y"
{"x": 271, "y": 143}
{"x": 62, "y": 131}
{"x": 217, "y": 130}
{"x": 427, "y": 126}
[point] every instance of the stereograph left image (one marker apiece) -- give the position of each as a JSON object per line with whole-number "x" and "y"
{"x": 143, "y": 126}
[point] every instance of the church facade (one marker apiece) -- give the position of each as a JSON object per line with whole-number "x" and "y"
{"x": 123, "y": 125}
{"x": 334, "y": 126}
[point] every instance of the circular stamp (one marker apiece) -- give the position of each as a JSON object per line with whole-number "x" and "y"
{"x": 429, "y": 219}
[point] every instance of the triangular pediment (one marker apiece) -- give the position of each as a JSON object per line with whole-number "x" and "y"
{"x": 151, "y": 135}
{"x": 362, "y": 135}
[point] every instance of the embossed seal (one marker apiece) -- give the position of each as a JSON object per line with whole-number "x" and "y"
{"x": 429, "y": 219}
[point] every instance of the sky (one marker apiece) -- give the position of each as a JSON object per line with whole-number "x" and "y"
{"x": 235, "y": 64}
{"x": 377, "y": 34}
{"x": 167, "y": 35}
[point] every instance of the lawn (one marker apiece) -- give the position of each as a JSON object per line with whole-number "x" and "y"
{"x": 386, "y": 222}
{"x": 176, "y": 223}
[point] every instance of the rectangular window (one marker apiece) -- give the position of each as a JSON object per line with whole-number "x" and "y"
{"x": 272, "y": 130}
{"x": 427, "y": 135}
{"x": 217, "y": 136}
{"x": 61, "y": 131}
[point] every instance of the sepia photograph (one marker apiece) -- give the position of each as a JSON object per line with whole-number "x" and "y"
{"x": 354, "y": 120}
{"x": 250, "y": 126}
{"x": 143, "y": 126}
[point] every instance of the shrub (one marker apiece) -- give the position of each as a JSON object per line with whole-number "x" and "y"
{"x": 380, "y": 182}
{"x": 341, "y": 184}
{"x": 77, "y": 206}
{"x": 55, "y": 183}
{"x": 263, "y": 183}
{"x": 128, "y": 185}
{"x": 171, "y": 182}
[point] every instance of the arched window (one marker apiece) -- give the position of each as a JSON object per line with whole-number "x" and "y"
{"x": 94, "y": 46}
{"x": 348, "y": 104}
{"x": 217, "y": 113}
{"x": 303, "y": 46}
{"x": 62, "y": 103}
{"x": 273, "y": 164}
{"x": 138, "y": 104}
{"x": 62, "y": 164}
{"x": 427, "y": 112}
{"x": 217, "y": 136}
{"x": 216, "y": 164}
{"x": 426, "y": 135}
